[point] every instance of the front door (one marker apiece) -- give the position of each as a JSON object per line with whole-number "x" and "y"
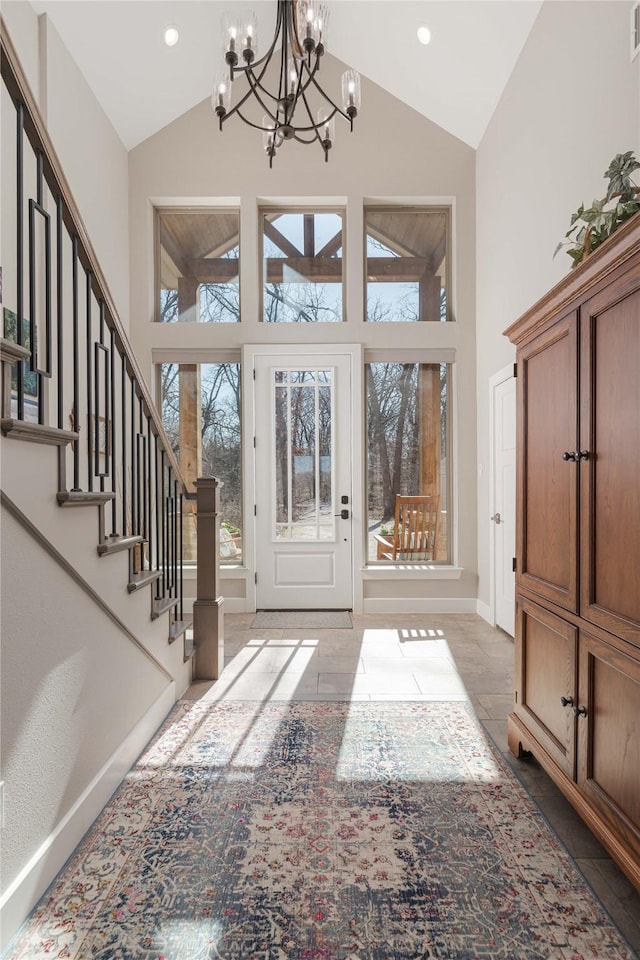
{"x": 303, "y": 482}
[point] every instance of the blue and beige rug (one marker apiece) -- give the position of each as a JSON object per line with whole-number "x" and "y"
{"x": 320, "y": 831}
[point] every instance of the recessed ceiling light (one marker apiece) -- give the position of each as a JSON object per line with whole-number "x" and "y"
{"x": 424, "y": 34}
{"x": 171, "y": 36}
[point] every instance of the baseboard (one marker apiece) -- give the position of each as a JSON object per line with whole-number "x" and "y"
{"x": 484, "y": 610}
{"x": 419, "y": 605}
{"x": 25, "y": 891}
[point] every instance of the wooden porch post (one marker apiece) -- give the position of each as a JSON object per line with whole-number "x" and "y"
{"x": 430, "y": 439}
{"x": 190, "y": 443}
{"x": 208, "y": 613}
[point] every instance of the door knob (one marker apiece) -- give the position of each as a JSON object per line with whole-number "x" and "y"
{"x": 497, "y": 518}
{"x": 566, "y": 701}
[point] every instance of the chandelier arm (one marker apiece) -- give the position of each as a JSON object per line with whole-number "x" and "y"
{"x": 336, "y": 108}
{"x": 254, "y": 86}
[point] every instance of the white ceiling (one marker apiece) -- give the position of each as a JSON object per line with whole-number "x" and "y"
{"x": 456, "y": 81}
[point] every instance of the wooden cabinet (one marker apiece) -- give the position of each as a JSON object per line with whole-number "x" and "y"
{"x": 577, "y": 676}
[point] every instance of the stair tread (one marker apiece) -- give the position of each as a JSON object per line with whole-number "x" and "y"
{"x": 163, "y": 605}
{"x": 83, "y": 498}
{"x": 115, "y": 544}
{"x": 177, "y": 629}
{"x": 142, "y": 579}
{"x": 36, "y": 432}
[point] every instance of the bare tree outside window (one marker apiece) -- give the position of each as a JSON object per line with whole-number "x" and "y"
{"x": 219, "y": 440}
{"x": 302, "y": 267}
{"x": 407, "y": 442}
{"x": 407, "y": 264}
{"x": 199, "y": 257}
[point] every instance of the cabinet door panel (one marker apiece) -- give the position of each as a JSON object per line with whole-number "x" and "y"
{"x": 545, "y": 672}
{"x": 548, "y": 484}
{"x": 609, "y": 735}
{"x": 610, "y": 479}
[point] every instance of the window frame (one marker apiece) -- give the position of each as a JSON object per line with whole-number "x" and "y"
{"x": 279, "y": 208}
{"x": 439, "y": 569}
{"x": 172, "y": 210}
{"x": 380, "y": 207}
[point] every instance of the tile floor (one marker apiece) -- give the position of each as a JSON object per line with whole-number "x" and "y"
{"x": 414, "y": 657}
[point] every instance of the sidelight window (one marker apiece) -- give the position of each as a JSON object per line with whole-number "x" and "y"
{"x": 408, "y": 442}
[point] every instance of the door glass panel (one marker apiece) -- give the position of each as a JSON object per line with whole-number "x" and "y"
{"x": 302, "y": 419}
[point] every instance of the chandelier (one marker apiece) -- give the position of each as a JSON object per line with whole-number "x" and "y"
{"x": 290, "y": 112}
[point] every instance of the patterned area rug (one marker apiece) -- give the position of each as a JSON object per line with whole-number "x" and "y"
{"x": 303, "y": 619}
{"x": 320, "y": 831}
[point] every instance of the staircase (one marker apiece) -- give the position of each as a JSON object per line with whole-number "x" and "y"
{"x": 96, "y": 643}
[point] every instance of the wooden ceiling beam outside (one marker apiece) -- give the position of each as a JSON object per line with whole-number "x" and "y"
{"x": 332, "y": 246}
{"x": 280, "y": 240}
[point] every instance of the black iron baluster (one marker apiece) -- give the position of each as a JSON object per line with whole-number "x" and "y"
{"x": 158, "y": 520}
{"x": 76, "y": 368}
{"x": 148, "y": 514}
{"x": 181, "y": 561}
{"x": 113, "y": 435}
{"x": 90, "y": 422}
{"x": 100, "y": 347}
{"x": 164, "y": 525}
{"x": 134, "y": 516}
{"x": 60, "y": 310}
{"x": 33, "y": 328}
{"x": 123, "y": 446}
{"x": 20, "y": 252}
{"x": 175, "y": 538}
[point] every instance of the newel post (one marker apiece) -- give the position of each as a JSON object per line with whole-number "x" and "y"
{"x": 208, "y": 615}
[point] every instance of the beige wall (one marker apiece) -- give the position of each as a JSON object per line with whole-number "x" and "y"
{"x": 93, "y": 158}
{"x": 571, "y": 104}
{"x": 393, "y": 153}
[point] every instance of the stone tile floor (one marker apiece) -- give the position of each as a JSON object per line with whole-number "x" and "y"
{"x": 415, "y": 657}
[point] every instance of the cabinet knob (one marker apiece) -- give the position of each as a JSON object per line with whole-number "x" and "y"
{"x": 580, "y": 711}
{"x": 566, "y": 701}
{"x": 576, "y": 455}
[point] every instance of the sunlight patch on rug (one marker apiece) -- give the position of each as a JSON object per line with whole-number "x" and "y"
{"x": 320, "y": 831}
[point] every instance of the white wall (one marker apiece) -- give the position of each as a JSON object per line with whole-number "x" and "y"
{"x": 392, "y": 153}
{"x": 571, "y": 104}
{"x": 93, "y": 158}
{"x": 79, "y": 701}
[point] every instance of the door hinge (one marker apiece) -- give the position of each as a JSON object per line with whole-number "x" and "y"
{"x": 515, "y": 369}
{"x": 254, "y": 373}
{"x": 255, "y": 510}
{"x": 514, "y": 565}
{"x": 254, "y": 443}
{"x": 255, "y": 578}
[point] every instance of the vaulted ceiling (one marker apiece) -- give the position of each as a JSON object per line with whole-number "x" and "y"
{"x": 456, "y": 81}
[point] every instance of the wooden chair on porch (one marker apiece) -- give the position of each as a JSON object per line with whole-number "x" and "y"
{"x": 415, "y": 535}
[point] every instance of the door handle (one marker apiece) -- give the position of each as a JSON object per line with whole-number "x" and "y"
{"x": 497, "y": 518}
{"x": 344, "y": 514}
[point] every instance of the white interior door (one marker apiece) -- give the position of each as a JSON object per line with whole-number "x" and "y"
{"x": 303, "y": 482}
{"x": 504, "y": 501}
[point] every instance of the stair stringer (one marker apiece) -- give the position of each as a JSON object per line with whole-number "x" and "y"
{"x": 29, "y": 474}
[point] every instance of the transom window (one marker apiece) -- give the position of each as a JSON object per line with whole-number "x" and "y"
{"x": 407, "y": 264}
{"x": 302, "y": 266}
{"x": 199, "y": 267}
